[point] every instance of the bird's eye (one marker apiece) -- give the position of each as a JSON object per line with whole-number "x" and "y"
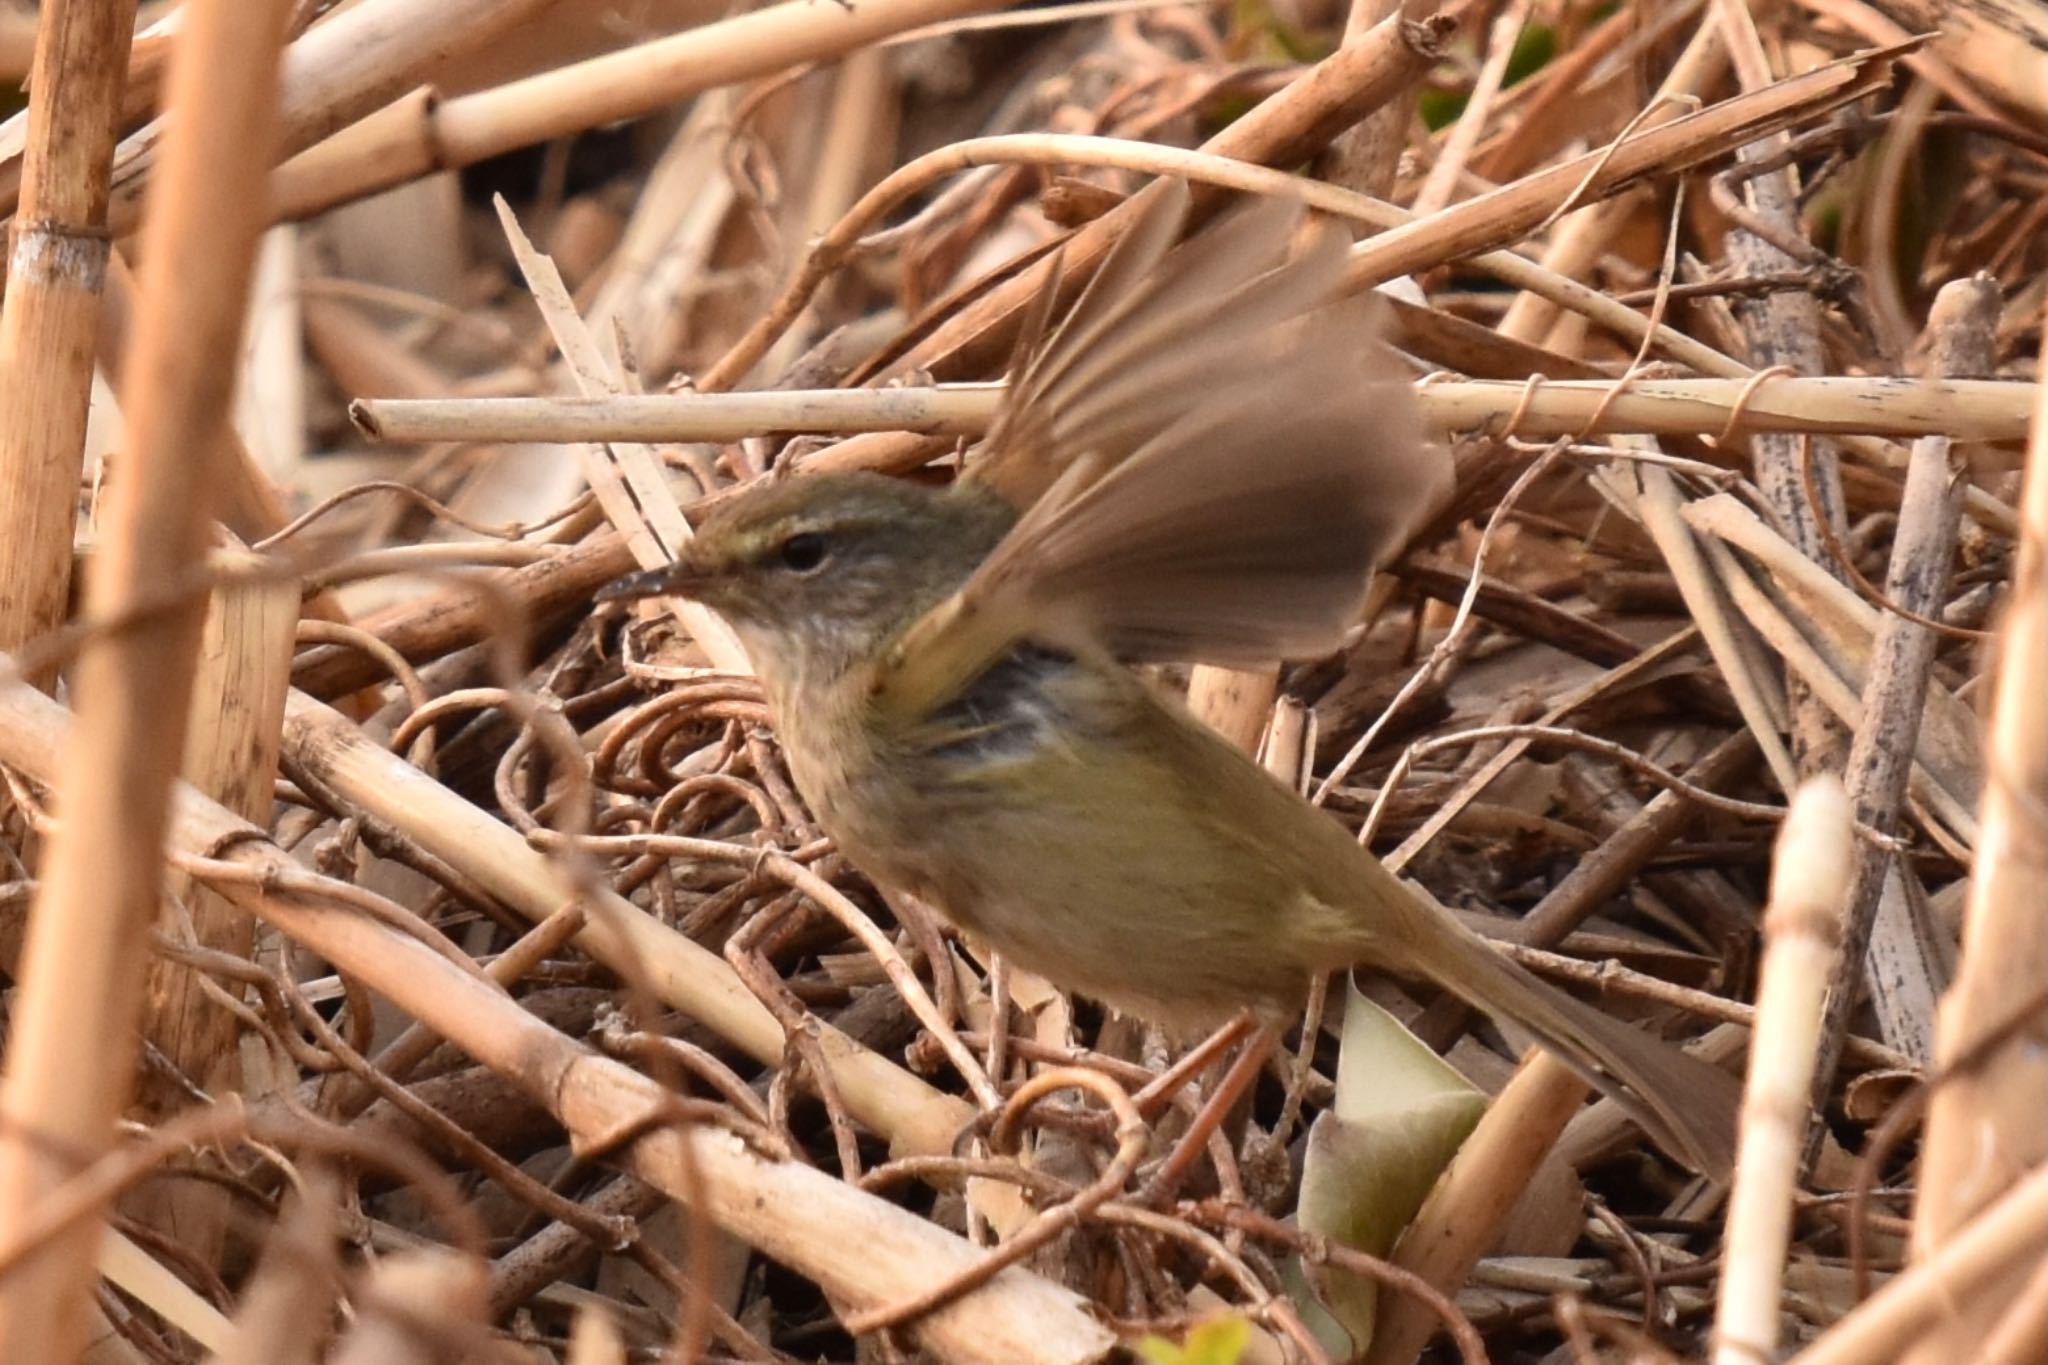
{"x": 803, "y": 552}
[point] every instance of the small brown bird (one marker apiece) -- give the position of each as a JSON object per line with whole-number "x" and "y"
{"x": 1212, "y": 459}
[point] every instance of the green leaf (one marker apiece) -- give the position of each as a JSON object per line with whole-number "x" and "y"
{"x": 1400, "y": 1115}
{"x": 1219, "y": 1341}
{"x": 1535, "y": 46}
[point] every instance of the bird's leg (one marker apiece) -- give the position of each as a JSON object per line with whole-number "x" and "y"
{"x": 1153, "y": 1097}
{"x": 1236, "y": 1083}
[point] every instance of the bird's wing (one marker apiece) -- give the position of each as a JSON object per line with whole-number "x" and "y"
{"x": 1237, "y": 457}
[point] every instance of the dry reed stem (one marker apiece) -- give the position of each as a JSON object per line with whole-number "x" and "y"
{"x": 1234, "y": 702}
{"x": 1463, "y": 1214}
{"x": 1961, "y": 1278}
{"x": 152, "y": 1283}
{"x": 56, "y": 263}
{"x": 103, "y": 878}
{"x": 1987, "y": 1128}
{"x": 249, "y": 504}
{"x": 230, "y": 749}
{"x": 1609, "y": 978}
{"x": 1810, "y": 883}
{"x": 886, "y": 1098}
{"x": 418, "y": 135}
{"x": 1506, "y": 214}
{"x": 1361, "y": 76}
{"x": 1366, "y": 156}
{"x": 1757, "y": 692}
{"x": 17, "y": 44}
{"x": 1884, "y": 943}
{"x": 336, "y": 72}
{"x": 1366, "y": 71}
{"x": 627, "y": 477}
{"x": 1962, "y": 409}
{"x": 860, "y": 1250}
{"x": 2021, "y": 1337}
{"x": 1439, "y": 187}
{"x": 1824, "y": 630}
{"x": 1584, "y": 236}
{"x": 1784, "y": 331}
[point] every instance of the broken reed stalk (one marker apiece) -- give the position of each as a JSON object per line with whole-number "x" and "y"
{"x": 231, "y": 742}
{"x": 1885, "y": 943}
{"x": 1987, "y": 1128}
{"x": 72, "y": 1055}
{"x": 1802, "y": 926}
{"x": 50, "y": 315}
{"x": 625, "y": 477}
{"x": 863, "y": 1250}
{"x": 1802, "y": 483}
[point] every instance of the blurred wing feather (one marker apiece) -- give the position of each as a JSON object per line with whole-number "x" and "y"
{"x": 1232, "y": 472}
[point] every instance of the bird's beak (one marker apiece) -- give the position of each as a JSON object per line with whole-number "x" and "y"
{"x": 680, "y": 579}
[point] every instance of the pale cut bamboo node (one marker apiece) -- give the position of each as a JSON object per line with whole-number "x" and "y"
{"x": 46, "y": 254}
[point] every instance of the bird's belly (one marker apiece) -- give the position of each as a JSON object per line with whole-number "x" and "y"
{"x": 1040, "y": 819}
{"x": 1144, "y": 929}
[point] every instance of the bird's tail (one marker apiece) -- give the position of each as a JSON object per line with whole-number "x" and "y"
{"x": 1687, "y": 1106}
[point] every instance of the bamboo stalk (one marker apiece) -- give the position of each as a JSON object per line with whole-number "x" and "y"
{"x": 1963, "y": 409}
{"x": 51, "y": 310}
{"x": 83, "y": 964}
{"x": 1987, "y": 1128}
